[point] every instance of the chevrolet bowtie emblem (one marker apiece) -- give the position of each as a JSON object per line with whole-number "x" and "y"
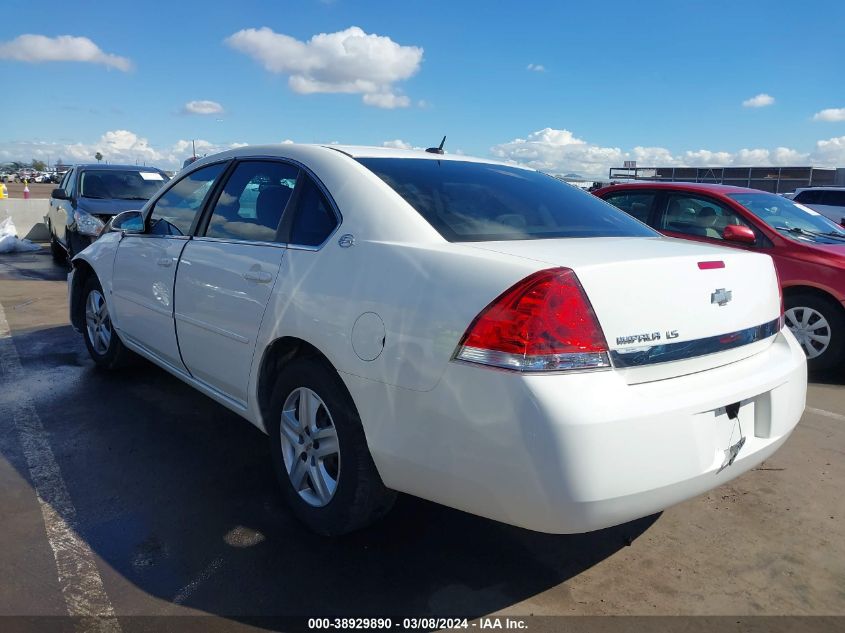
{"x": 721, "y": 296}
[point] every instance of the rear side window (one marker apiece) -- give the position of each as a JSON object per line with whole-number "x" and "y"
{"x": 834, "y": 198}
{"x": 473, "y": 202}
{"x": 251, "y": 204}
{"x": 313, "y": 217}
{"x": 637, "y": 205}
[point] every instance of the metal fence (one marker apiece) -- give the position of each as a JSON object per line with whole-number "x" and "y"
{"x": 771, "y": 179}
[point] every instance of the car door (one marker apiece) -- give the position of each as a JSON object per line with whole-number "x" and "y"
{"x": 227, "y": 274}
{"x": 696, "y": 217}
{"x": 145, "y": 266}
{"x": 61, "y": 211}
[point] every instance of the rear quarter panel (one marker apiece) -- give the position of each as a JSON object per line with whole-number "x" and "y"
{"x": 426, "y": 296}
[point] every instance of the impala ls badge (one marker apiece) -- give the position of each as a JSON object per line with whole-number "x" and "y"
{"x": 721, "y": 296}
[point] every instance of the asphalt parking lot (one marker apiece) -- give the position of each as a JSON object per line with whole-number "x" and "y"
{"x": 172, "y": 497}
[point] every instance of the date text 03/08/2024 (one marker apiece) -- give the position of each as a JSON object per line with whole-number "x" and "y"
{"x": 417, "y": 623}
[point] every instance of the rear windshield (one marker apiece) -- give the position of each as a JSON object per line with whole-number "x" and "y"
{"x": 475, "y": 202}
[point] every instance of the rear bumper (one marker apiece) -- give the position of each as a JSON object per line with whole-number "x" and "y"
{"x": 574, "y": 453}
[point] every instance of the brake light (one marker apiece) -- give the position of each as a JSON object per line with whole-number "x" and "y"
{"x": 543, "y": 323}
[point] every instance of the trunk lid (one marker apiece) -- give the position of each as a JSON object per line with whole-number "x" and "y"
{"x": 662, "y": 314}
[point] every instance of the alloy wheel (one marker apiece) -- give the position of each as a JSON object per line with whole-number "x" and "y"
{"x": 98, "y": 322}
{"x": 810, "y": 328}
{"x": 310, "y": 447}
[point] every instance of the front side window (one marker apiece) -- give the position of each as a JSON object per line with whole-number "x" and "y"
{"x": 313, "y": 217}
{"x": 252, "y": 202}
{"x": 694, "y": 215}
{"x": 472, "y": 202}
{"x": 71, "y": 184}
{"x": 633, "y": 203}
{"x": 66, "y": 182}
{"x": 175, "y": 211}
{"x": 113, "y": 184}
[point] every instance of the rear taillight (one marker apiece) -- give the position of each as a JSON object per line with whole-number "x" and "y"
{"x": 543, "y": 323}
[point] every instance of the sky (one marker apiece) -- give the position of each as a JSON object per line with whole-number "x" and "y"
{"x": 560, "y": 86}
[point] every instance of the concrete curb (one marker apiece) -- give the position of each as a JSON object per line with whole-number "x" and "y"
{"x": 28, "y": 216}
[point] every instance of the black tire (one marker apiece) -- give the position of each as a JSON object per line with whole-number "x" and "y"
{"x": 359, "y": 498}
{"x": 113, "y": 355}
{"x": 798, "y": 306}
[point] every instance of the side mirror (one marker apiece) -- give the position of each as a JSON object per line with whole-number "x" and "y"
{"x": 127, "y": 222}
{"x": 59, "y": 194}
{"x": 737, "y": 233}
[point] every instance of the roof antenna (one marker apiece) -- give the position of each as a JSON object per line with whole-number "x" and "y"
{"x": 437, "y": 150}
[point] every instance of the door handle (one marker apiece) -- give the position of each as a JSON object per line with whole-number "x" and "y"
{"x": 258, "y": 276}
{"x": 167, "y": 262}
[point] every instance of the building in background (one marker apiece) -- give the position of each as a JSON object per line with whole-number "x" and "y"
{"x": 771, "y": 179}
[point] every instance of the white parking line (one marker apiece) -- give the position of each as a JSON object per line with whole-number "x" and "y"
{"x": 827, "y": 414}
{"x": 79, "y": 580}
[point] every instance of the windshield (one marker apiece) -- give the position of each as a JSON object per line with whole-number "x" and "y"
{"x": 472, "y": 202}
{"x": 114, "y": 184}
{"x": 783, "y": 214}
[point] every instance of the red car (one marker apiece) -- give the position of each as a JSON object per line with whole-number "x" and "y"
{"x": 807, "y": 248}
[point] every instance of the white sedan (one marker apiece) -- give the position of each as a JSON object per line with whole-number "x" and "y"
{"x": 477, "y": 334}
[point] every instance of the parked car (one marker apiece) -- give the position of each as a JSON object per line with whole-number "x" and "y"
{"x": 807, "y": 248}
{"x": 477, "y": 334}
{"x": 829, "y": 201}
{"x": 88, "y": 196}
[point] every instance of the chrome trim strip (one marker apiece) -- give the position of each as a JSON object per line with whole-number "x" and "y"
{"x": 227, "y": 240}
{"x": 668, "y": 352}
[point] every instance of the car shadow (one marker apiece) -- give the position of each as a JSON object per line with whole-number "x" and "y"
{"x": 175, "y": 494}
{"x": 828, "y": 377}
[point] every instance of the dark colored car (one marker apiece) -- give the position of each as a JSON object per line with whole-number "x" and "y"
{"x": 88, "y": 197}
{"x": 808, "y": 249}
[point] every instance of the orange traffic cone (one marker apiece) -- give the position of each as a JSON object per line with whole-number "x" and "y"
{"x": 26, "y": 190}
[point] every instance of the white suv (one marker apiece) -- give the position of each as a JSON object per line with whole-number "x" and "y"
{"x": 829, "y": 201}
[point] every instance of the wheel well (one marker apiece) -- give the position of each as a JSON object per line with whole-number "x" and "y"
{"x": 792, "y": 291}
{"x": 277, "y": 355}
{"x": 82, "y": 272}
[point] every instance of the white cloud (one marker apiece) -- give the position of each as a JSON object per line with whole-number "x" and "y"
{"x": 64, "y": 48}
{"x": 117, "y": 146}
{"x": 560, "y": 152}
{"x": 397, "y": 143}
{"x": 537, "y": 68}
{"x": 349, "y": 61}
{"x": 386, "y": 100}
{"x": 202, "y": 107}
{"x": 830, "y": 153}
{"x": 830, "y": 114}
{"x": 759, "y": 101}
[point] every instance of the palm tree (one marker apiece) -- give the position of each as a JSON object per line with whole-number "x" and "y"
{"x": 98, "y": 156}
